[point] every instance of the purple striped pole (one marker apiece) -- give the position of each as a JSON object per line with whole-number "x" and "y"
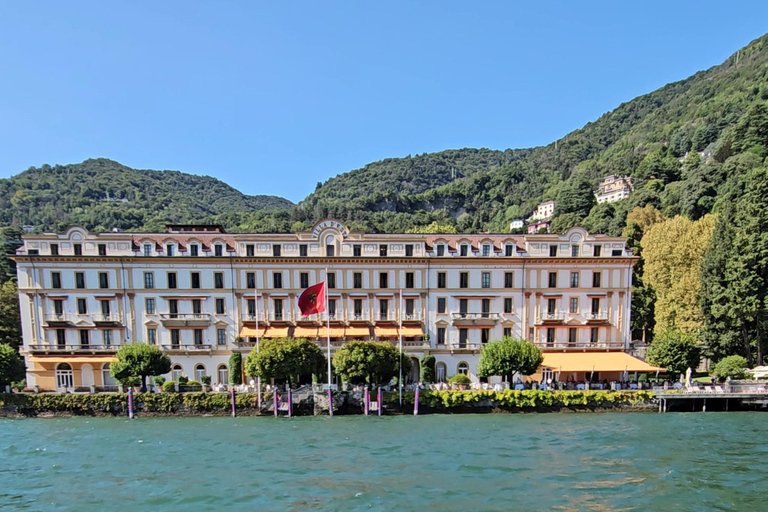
{"x": 232, "y": 395}
{"x": 367, "y": 401}
{"x": 290, "y": 403}
{"x": 130, "y": 402}
{"x": 276, "y": 402}
{"x": 330, "y": 402}
{"x": 416, "y": 402}
{"x": 378, "y": 397}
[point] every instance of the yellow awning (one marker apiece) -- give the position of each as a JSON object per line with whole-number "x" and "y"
{"x": 386, "y": 332}
{"x": 409, "y": 332}
{"x": 251, "y": 332}
{"x": 336, "y": 332}
{"x": 276, "y": 332}
{"x": 305, "y": 332}
{"x": 43, "y": 360}
{"x": 595, "y": 361}
{"x": 357, "y": 332}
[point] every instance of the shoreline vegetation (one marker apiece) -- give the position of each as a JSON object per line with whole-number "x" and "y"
{"x": 17, "y": 405}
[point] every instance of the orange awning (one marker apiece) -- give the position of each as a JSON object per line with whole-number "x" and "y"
{"x": 70, "y": 359}
{"x": 336, "y": 332}
{"x": 409, "y": 332}
{"x": 276, "y": 332}
{"x": 251, "y": 332}
{"x": 357, "y": 332}
{"x": 305, "y": 332}
{"x": 386, "y": 332}
{"x": 596, "y": 361}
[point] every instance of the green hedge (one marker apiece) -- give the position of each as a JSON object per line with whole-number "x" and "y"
{"x": 525, "y": 399}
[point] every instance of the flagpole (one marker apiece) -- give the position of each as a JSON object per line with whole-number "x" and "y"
{"x": 328, "y": 327}
{"x": 256, "y": 313}
{"x": 400, "y": 331}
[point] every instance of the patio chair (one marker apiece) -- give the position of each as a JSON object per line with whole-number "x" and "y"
{"x": 719, "y": 390}
{"x": 708, "y": 389}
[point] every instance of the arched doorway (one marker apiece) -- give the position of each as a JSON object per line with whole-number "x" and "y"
{"x": 86, "y": 375}
{"x": 440, "y": 372}
{"x": 199, "y": 372}
{"x": 414, "y": 376}
{"x": 223, "y": 374}
{"x": 176, "y": 372}
{"x": 65, "y": 380}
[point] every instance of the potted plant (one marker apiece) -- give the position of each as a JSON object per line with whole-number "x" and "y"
{"x": 206, "y": 380}
{"x": 460, "y": 381}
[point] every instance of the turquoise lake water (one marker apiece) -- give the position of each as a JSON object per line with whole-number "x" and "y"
{"x": 602, "y": 462}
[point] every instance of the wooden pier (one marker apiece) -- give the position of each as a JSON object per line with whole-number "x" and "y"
{"x": 732, "y": 397}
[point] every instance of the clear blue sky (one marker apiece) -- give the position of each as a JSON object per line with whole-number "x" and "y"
{"x": 272, "y": 97}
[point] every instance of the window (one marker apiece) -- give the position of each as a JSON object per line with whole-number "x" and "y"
{"x": 102, "y": 249}
{"x": 251, "y": 305}
{"x": 220, "y": 306}
{"x": 409, "y": 249}
{"x": 383, "y": 250}
{"x": 55, "y": 279}
{"x": 304, "y": 280}
{"x": 550, "y": 336}
{"x": 54, "y": 249}
{"x": 508, "y": 304}
{"x": 176, "y": 372}
{"x": 409, "y": 279}
{"x": 571, "y": 335}
{"x": 107, "y": 337}
{"x": 358, "y": 309}
{"x": 78, "y": 249}
{"x": 172, "y": 280}
{"x": 441, "y": 335}
{"x": 249, "y": 250}
{"x": 463, "y": 307}
{"x": 616, "y": 252}
{"x": 464, "y": 249}
{"x": 441, "y": 279}
{"x": 357, "y": 250}
{"x": 106, "y": 377}
{"x": 218, "y": 280}
{"x": 553, "y": 251}
{"x": 223, "y": 374}
{"x": 486, "y": 308}
{"x": 277, "y": 280}
{"x": 597, "y": 251}
{"x": 149, "y": 280}
{"x": 169, "y": 249}
{"x": 103, "y": 280}
{"x": 85, "y": 338}
{"x": 58, "y": 307}
{"x": 551, "y": 306}
{"x": 105, "y": 309}
{"x": 332, "y": 309}
{"x": 82, "y": 307}
{"x": 303, "y": 250}
{"x": 61, "y": 338}
{"x": 509, "y": 279}
{"x": 595, "y": 306}
{"x": 149, "y": 303}
{"x": 199, "y": 372}
{"x": 597, "y": 278}
{"x": 409, "y": 303}
{"x": 486, "y": 250}
{"x": 250, "y": 280}
{"x": 508, "y": 250}
{"x": 147, "y": 250}
{"x": 507, "y": 332}
{"x": 383, "y": 280}
{"x": 152, "y": 336}
{"x": 441, "y": 305}
{"x": 218, "y": 250}
{"x": 173, "y": 308}
{"x": 593, "y": 335}
{"x": 276, "y": 250}
{"x": 574, "y": 279}
{"x": 357, "y": 280}
{"x": 553, "y": 279}
{"x": 198, "y": 336}
{"x": 440, "y": 372}
{"x": 383, "y": 309}
{"x": 330, "y": 246}
{"x": 331, "y": 280}
{"x": 441, "y": 250}
{"x": 486, "y": 282}
{"x": 463, "y": 335}
{"x": 574, "y": 251}
{"x": 195, "y": 279}
{"x": 485, "y": 335}
{"x": 194, "y": 250}
{"x": 80, "y": 280}
{"x": 464, "y": 280}
{"x": 197, "y": 307}
{"x": 278, "y": 308}
{"x": 574, "y": 305}
{"x": 175, "y": 338}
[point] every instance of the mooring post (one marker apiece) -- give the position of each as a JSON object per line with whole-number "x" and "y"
{"x": 232, "y": 398}
{"x": 130, "y": 402}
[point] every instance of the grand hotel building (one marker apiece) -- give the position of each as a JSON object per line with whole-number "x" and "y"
{"x": 191, "y": 291}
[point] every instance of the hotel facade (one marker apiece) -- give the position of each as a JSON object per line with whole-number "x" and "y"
{"x": 201, "y": 294}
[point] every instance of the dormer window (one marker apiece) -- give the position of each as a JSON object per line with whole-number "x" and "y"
{"x": 486, "y": 250}
{"x": 464, "y": 249}
{"x": 441, "y": 249}
{"x": 169, "y": 249}
{"x": 194, "y": 250}
{"x": 508, "y": 250}
{"x": 330, "y": 246}
{"x": 147, "y": 249}
{"x": 218, "y": 250}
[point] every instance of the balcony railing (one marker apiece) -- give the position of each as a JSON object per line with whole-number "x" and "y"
{"x": 61, "y": 318}
{"x": 599, "y": 316}
{"x": 581, "y": 345}
{"x": 461, "y": 318}
{"x": 186, "y": 348}
{"x": 557, "y": 316}
{"x": 362, "y": 317}
{"x": 457, "y": 345}
{"x": 43, "y": 348}
{"x": 107, "y": 319}
{"x": 185, "y": 319}
{"x": 250, "y": 317}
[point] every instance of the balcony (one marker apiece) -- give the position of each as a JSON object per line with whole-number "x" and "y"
{"x": 465, "y": 346}
{"x": 59, "y": 320}
{"x": 185, "y": 319}
{"x": 489, "y": 319}
{"x": 359, "y": 317}
{"x": 599, "y": 317}
{"x": 384, "y": 316}
{"x": 107, "y": 320}
{"x": 71, "y": 349}
{"x": 250, "y": 317}
{"x": 173, "y": 347}
{"x": 556, "y": 317}
{"x": 581, "y": 345}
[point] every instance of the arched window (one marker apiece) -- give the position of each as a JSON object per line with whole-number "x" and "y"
{"x": 199, "y": 372}
{"x": 65, "y": 379}
{"x": 223, "y": 374}
{"x": 106, "y": 377}
{"x": 176, "y": 372}
{"x": 440, "y": 372}
{"x": 463, "y": 368}
{"x": 330, "y": 245}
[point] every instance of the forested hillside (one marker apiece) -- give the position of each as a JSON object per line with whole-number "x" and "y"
{"x": 101, "y": 194}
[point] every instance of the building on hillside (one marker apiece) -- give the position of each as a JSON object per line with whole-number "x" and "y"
{"x": 516, "y": 224}
{"x": 541, "y": 225}
{"x": 614, "y": 188}
{"x": 201, "y": 294}
{"x": 543, "y": 211}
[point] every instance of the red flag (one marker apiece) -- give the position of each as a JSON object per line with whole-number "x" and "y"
{"x": 312, "y": 300}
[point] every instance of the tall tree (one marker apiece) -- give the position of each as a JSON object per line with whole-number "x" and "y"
{"x": 508, "y": 356}
{"x": 675, "y": 351}
{"x": 11, "y": 366}
{"x": 10, "y": 321}
{"x": 139, "y": 360}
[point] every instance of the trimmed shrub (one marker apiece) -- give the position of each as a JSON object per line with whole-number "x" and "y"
{"x": 428, "y": 369}
{"x": 158, "y": 380}
{"x": 731, "y": 366}
{"x": 235, "y": 368}
{"x": 183, "y": 379}
{"x": 206, "y": 379}
{"x": 169, "y": 387}
{"x": 460, "y": 379}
